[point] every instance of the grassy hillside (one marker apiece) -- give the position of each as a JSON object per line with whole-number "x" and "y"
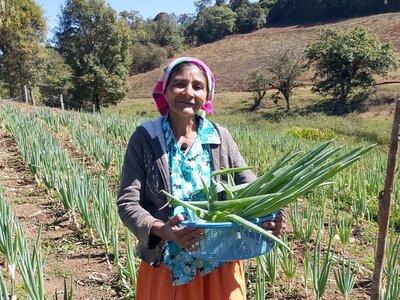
{"x": 234, "y": 57}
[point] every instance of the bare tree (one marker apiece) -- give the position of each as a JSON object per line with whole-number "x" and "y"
{"x": 258, "y": 84}
{"x": 284, "y": 69}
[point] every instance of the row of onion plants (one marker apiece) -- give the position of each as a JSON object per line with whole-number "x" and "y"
{"x": 79, "y": 191}
{"x": 15, "y": 248}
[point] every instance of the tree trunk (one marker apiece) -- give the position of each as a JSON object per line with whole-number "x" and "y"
{"x": 97, "y": 102}
{"x": 286, "y": 95}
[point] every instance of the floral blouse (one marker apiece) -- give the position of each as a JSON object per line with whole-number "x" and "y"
{"x": 186, "y": 173}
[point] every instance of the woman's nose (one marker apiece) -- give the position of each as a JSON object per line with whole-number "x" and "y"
{"x": 189, "y": 90}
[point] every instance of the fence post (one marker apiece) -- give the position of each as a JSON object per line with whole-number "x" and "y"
{"x": 385, "y": 198}
{"x": 32, "y": 97}
{"x": 62, "y": 102}
{"x": 94, "y": 108}
{"x": 26, "y": 95}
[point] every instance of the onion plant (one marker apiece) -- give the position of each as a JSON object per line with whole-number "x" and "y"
{"x": 392, "y": 287}
{"x": 68, "y": 294}
{"x": 302, "y": 221}
{"x": 128, "y": 271}
{"x": 83, "y": 185}
{"x": 343, "y": 228}
{"x": 31, "y": 267}
{"x": 288, "y": 262}
{"x": 269, "y": 264}
{"x": 320, "y": 270}
{"x": 3, "y": 288}
{"x": 345, "y": 277}
{"x": 104, "y": 213}
{"x": 9, "y": 231}
{"x": 260, "y": 281}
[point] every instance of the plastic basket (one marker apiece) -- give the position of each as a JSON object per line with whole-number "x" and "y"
{"x": 229, "y": 241}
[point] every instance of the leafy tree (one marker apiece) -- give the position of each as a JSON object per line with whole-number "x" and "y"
{"x": 235, "y": 4}
{"x": 284, "y": 70}
{"x": 214, "y": 23}
{"x": 147, "y": 57}
{"x": 258, "y": 84}
{"x": 95, "y": 43}
{"x": 347, "y": 60}
{"x": 22, "y": 33}
{"x": 55, "y": 78}
{"x": 167, "y": 33}
{"x": 250, "y": 17}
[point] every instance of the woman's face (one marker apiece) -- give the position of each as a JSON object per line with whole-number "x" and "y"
{"x": 186, "y": 91}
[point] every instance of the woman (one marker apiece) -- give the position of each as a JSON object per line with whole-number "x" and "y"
{"x": 174, "y": 153}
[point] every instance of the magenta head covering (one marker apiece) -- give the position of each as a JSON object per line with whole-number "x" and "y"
{"x": 161, "y": 85}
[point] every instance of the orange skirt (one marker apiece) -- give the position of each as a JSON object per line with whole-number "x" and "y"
{"x": 226, "y": 282}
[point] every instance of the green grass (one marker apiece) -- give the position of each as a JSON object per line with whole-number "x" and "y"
{"x": 232, "y": 109}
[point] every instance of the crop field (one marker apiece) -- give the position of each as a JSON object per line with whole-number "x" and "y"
{"x": 60, "y": 234}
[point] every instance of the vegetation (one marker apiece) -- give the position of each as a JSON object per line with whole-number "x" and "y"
{"x": 285, "y": 69}
{"x": 306, "y": 11}
{"x": 95, "y": 43}
{"x": 83, "y": 190}
{"x": 258, "y": 85}
{"x": 345, "y": 61}
{"x": 22, "y": 31}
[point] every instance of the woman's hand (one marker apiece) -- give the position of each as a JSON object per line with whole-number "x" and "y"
{"x": 277, "y": 225}
{"x": 186, "y": 237}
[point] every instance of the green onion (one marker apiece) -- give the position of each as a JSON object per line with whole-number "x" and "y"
{"x": 285, "y": 182}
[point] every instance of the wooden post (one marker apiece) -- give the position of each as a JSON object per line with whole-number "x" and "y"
{"x": 94, "y": 108}
{"x": 26, "y": 95}
{"x": 62, "y": 102}
{"x": 32, "y": 97}
{"x": 385, "y": 205}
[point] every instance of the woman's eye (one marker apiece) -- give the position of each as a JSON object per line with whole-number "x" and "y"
{"x": 198, "y": 87}
{"x": 180, "y": 85}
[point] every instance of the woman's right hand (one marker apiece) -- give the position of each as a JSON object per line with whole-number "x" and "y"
{"x": 186, "y": 237}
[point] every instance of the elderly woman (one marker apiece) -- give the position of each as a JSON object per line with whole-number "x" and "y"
{"x": 174, "y": 153}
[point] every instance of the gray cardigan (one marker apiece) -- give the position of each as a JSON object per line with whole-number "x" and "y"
{"x": 145, "y": 173}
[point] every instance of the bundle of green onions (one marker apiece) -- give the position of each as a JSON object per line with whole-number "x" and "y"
{"x": 282, "y": 184}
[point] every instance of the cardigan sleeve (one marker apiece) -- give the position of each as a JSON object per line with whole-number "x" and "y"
{"x": 131, "y": 192}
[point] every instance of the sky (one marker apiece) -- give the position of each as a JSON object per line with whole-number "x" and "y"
{"x": 146, "y": 8}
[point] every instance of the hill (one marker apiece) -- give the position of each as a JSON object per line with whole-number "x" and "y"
{"x": 234, "y": 57}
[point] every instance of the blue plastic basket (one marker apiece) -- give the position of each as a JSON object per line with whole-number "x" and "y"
{"x": 229, "y": 241}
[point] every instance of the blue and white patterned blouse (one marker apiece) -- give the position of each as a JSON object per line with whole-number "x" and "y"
{"x": 186, "y": 173}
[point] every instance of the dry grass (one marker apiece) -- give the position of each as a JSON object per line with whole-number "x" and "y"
{"x": 234, "y": 57}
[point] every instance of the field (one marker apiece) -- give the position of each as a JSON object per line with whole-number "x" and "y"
{"x": 60, "y": 172}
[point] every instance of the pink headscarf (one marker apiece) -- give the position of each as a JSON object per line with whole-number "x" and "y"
{"x": 161, "y": 85}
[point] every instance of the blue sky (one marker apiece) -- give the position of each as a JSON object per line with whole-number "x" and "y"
{"x": 147, "y": 8}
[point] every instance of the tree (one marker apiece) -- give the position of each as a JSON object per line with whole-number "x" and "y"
{"x": 250, "y": 17}
{"x": 55, "y": 78}
{"x": 95, "y": 43}
{"x": 166, "y": 32}
{"x": 347, "y": 60}
{"x": 284, "y": 70}
{"x": 258, "y": 84}
{"x": 214, "y": 23}
{"x": 22, "y": 33}
{"x": 147, "y": 57}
